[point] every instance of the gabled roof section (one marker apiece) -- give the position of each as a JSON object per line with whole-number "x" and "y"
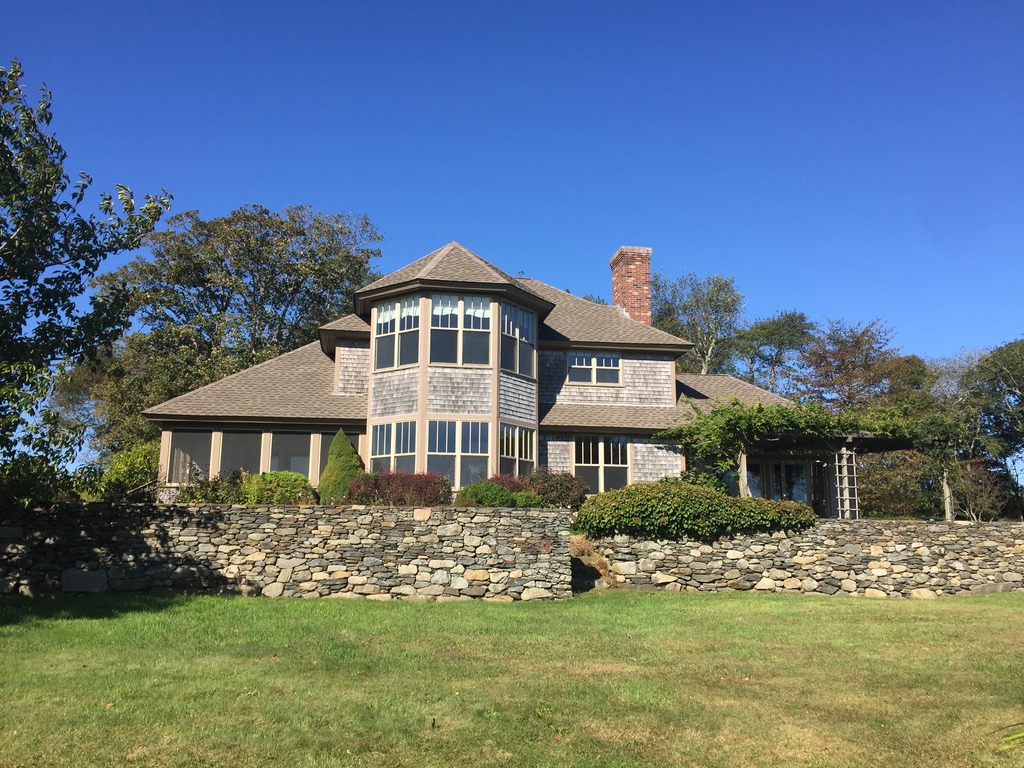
{"x": 709, "y": 390}
{"x": 295, "y": 387}
{"x": 576, "y": 322}
{"x": 452, "y": 267}
{"x": 347, "y": 327}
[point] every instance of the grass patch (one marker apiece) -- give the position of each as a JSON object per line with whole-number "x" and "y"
{"x": 610, "y": 679}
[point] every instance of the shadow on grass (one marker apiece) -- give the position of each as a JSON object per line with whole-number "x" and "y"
{"x": 15, "y": 610}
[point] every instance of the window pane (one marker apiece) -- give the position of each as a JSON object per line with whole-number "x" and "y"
{"x": 380, "y": 444}
{"x": 587, "y": 450}
{"x": 385, "y": 318}
{"x": 615, "y": 477}
{"x": 240, "y": 452}
{"x": 405, "y": 464}
{"x": 796, "y": 483}
{"x": 289, "y": 451}
{"x": 474, "y": 436}
{"x": 474, "y": 469}
{"x": 589, "y": 476}
{"x": 525, "y": 443}
{"x": 408, "y": 347}
{"x": 607, "y": 375}
{"x": 190, "y": 455}
{"x": 382, "y": 464}
{"x": 582, "y": 375}
{"x": 507, "y": 466}
{"x": 477, "y": 312}
{"x": 444, "y": 346}
{"x": 444, "y": 311}
{"x": 616, "y": 450}
{"x": 441, "y": 437}
{"x": 508, "y": 353}
{"x": 525, "y": 468}
{"x": 410, "y": 314}
{"x": 754, "y": 479}
{"x": 385, "y": 352}
{"x": 442, "y": 465}
{"x": 476, "y": 347}
{"x": 525, "y": 358}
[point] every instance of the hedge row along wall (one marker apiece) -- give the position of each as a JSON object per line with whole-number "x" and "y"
{"x": 426, "y": 554}
{"x": 869, "y": 558}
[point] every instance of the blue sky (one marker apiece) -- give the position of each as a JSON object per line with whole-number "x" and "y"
{"x": 848, "y": 159}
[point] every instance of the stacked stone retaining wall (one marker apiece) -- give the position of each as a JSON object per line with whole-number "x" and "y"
{"x": 421, "y": 553}
{"x": 869, "y": 558}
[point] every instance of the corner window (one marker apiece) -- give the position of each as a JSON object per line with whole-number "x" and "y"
{"x": 515, "y": 450}
{"x": 518, "y": 339}
{"x": 602, "y": 461}
{"x": 190, "y": 456}
{"x": 460, "y": 329}
{"x": 396, "y": 333}
{"x": 595, "y": 367}
{"x": 464, "y": 460}
{"x": 393, "y": 447}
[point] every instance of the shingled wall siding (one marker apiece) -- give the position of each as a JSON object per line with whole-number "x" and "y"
{"x": 518, "y": 398}
{"x": 646, "y": 380}
{"x": 556, "y": 452}
{"x": 653, "y": 460}
{"x": 353, "y": 364}
{"x": 867, "y": 558}
{"x": 459, "y": 390}
{"x": 395, "y": 392}
{"x": 425, "y": 554}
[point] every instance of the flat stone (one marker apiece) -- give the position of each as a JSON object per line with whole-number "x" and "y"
{"x": 450, "y": 529}
{"x": 922, "y": 594}
{"x": 765, "y": 584}
{"x": 663, "y": 578}
{"x": 872, "y": 592}
{"x": 477, "y": 574}
{"x": 535, "y": 593}
{"x": 407, "y": 570}
{"x": 290, "y": 562}
{"x": 273, "y": 590}
{"x": 627, "y": 568}
{"x": 848, "y": 585}
{"x": 421, "y": 514}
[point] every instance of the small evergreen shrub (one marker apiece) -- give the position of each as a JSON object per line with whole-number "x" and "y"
{"x": 401, "y": 489}
{"x": 289, "y": 488}
{"x": 557, "y": 489}
{"x": 672, "y": 509}
{"x": 343, "y": 466}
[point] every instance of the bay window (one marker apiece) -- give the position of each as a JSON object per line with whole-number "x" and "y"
{"x": 518, "y": 339}
{"x": 464, "y": 460}
{"x": 396, "y": 333}
{"x": 515, "y": 450}
{"x": 460, "y": 329}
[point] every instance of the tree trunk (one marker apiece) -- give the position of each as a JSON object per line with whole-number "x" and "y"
{"x": 947, "y": 497}
{"x": 741, "y": 463}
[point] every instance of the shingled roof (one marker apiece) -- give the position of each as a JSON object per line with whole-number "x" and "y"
{"x": 575, "y": 321}
{"x": 452, "y": 266}
{"x": 295, "y": 386}
{"x": 702, "y": 392}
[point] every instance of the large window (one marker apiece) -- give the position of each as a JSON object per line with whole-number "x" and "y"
{"x": 602, "y": 461}
{"x": 240, "y": 452}
{"x": 397, "y": 333}
{"x": 459, "y": 446}
{"x": 460, "y": 329}
{"x": 289, "y": 451}
{"x": 393, "y": 447}
{"x": 515, "y": 450}
{"x": 190, "y": 456}
{"x": 518, "y": 339}
{"x": 595, "y": 367}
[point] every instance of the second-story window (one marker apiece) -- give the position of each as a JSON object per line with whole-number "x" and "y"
{"x": 518, "y": 339}
{"x": 460, "y": 329}
{"x": 595, "y": 368}
{"x": 397, "y": 333}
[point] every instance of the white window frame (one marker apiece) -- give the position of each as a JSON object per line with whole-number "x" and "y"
{"x": 461, "y": 438}
{"x": 399, "y": 320}
{"x": 472, "y": 315}
{"x": 596, "y": 364}
{"x": 390, "y": 442}
{"x": 606, "y": 449}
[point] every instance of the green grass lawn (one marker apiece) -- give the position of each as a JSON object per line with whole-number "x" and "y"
{"x": 609, "y": 679}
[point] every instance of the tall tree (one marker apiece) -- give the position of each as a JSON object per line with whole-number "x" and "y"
{"x": 220, "y": 295}
{"x": 49, "y": 250}
{"x": 768, "y": 350}
{"x": 707, "y": 312}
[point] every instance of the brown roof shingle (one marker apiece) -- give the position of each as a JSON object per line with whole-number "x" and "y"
{"x": 297, "y": 385}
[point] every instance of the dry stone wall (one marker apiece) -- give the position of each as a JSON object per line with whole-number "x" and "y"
{"x": 869, "y": 558}
{"x": 382, "y": 554}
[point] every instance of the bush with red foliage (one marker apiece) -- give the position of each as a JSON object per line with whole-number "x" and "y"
{"x": 401, "y": 489}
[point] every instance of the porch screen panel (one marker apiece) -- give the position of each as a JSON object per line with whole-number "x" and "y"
{"x": 289, "y": 451}
{"x": 190, "y": 455}
{"x": 616, "y": 462}
{"x": 240, "y": 452}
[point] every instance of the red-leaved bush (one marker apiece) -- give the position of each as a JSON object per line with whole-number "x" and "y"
{"x": 401, "y": 489}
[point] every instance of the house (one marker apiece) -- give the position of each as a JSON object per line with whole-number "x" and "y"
{"x": 450, "y": 365}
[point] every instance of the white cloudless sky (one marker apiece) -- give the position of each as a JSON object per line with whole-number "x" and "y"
{"x": 847, "y": 159}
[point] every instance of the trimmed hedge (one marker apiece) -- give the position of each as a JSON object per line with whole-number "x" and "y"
{"x": 675, "y": 509}
{"x": 488, "y": 493}
{"x": 401, "y": 489}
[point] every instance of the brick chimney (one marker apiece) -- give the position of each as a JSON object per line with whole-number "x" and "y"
{"x": 631, "y": 282}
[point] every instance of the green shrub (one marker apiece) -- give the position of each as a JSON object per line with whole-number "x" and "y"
{"x": 226, "y": 489}
{"x": 343, "y": 466}
{"x": 674, "y": 509}
{"x": 401, "y": 489}
{"x": 288, "y": 488}
{"x": 490, "y": 493}
{"x": 128, "y": 470}
{"x": 557, "y": 489}
{"x": 703, "y": 478}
